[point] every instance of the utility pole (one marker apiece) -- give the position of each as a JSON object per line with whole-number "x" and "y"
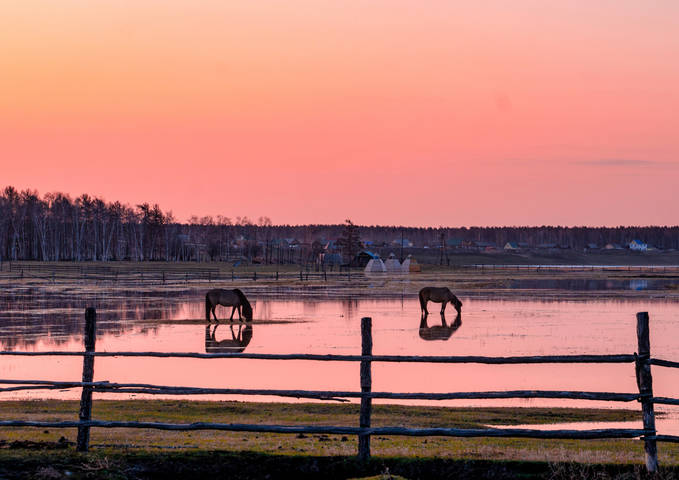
{"x": 401, "y": 245}
{"x": 443, "y": 249}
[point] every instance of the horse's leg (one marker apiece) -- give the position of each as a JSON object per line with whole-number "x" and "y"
{"x": 426, "y": 312}
{"x": 232, "y": 311}
{"x": 214, "y": 307}
{"x": 240, "y": 319}
{"x": 443, "y": 308}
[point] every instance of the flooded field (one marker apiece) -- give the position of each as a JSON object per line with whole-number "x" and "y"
{"x": 155, "y": 322}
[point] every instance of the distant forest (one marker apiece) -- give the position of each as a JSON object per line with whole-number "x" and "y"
{"x": 56, "y": 227}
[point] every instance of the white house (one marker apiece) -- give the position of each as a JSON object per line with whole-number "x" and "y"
{"x": 638, "y": 245}
{"x": 511, "y": 246}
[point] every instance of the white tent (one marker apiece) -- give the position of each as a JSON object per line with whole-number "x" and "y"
{"x": 392, "y": 264}
{"x": 410, "y": 265}
{"x": 375, "y": 265}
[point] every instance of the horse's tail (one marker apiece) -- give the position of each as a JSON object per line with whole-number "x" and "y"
{"x": 423, "y": 301}
{"x": 208, "y": 306}
{"x": 247, "y": 308}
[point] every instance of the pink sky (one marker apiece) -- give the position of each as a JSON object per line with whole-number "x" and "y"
{"x": 313, "y": 111}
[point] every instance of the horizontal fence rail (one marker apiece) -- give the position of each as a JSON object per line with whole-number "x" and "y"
{"x": 664, "y": 363}
{"x": 642, "y": 361}
{"x": 171, "y": 276}
{"x": 620, "y": 358}
{"x": 419, "y": 432}
{"x": 180, "y": 390}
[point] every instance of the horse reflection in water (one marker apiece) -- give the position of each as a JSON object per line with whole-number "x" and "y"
{"x": 235, "y": 344}
{"x": 439, "y": 332}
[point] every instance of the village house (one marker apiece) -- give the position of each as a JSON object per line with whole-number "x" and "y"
{"x": 513, "y": 246}
{"x": 638, "y": 246}
{"x": 483, "y": 245}
{"x": 363, "y": 257}
{"x": 509, "y": 246}
{"x": 405, "y": 243}
{"x": 455, "y": 243}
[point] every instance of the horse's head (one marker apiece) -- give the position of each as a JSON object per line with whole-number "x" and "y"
{"x": 247, "y": 312}
{"x": 457, "y": 304}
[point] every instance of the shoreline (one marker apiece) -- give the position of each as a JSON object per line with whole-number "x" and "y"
{"x": 488, "y": 284}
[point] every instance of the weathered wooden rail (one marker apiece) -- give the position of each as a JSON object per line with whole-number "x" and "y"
{"x": 161, "y": 275}
{"x": 642, "y": 361}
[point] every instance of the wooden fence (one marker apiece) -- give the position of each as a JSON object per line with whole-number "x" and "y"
{"x": 151, "y": 275}
{"x": 642, "y": 361}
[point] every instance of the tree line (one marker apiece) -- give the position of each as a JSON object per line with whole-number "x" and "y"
{"x": 57, "y": 227}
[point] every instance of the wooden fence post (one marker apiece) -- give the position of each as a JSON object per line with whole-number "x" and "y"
{"x": 366, "y": 387}
{"x": 88, "y": 374}
{"x": 645, "y": 384}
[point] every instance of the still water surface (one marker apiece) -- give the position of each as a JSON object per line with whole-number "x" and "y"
{"x": 486, "y": 327}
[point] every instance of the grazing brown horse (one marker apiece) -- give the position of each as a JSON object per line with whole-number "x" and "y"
{"x": 235, "y": 344}
{"x": 441, "y": 295}
{"x": 439, "y": 332}
{"x": 229, "y": 298}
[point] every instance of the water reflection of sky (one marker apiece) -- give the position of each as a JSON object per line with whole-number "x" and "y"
{"x": 493, "y": 328}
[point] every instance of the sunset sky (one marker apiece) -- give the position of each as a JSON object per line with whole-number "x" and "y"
{"x": 383, "y": 111}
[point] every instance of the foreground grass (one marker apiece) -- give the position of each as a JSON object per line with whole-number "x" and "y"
{"x": 109, "y": 440}
{"x": 150, "y": 454}
{"x": 62, "y": 464}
